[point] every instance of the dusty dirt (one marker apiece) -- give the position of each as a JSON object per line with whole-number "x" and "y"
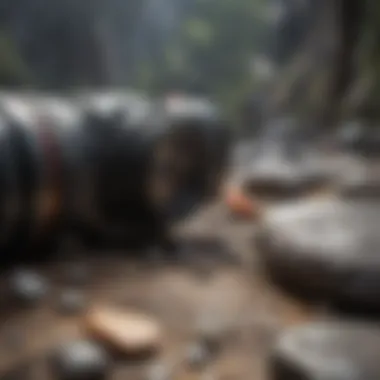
{"x": 217, "y": 278}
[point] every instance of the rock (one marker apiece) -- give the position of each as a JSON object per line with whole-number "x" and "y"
{"x": 338, "y": 351}
{"x": 326, "y": 249}
{"x": 80, "y": 360}
{"x": 282, "y": 178}
{"x": 27, "y": 287}
{"x": 127, "y": 331}
{"x": 71, "y": 301}
{"x": 197, "y": 355}
{"x": 366, "y": 189}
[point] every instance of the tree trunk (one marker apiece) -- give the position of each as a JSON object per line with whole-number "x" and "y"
{"x": 313, "y": 84}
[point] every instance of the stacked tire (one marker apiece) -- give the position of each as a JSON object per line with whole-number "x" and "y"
{"x": 33, "y": 167}
{"x": 195, "y": 128}
{"x": 149, "y": 163}
{"x": 114, "y": 167}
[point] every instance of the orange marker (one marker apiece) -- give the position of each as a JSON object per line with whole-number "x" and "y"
{"x": 240, "y": 204}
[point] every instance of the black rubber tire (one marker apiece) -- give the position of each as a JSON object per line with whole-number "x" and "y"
{"x": 10, "y": 200}
{"x": 31, "y": 139}
{"x": 116, "y": 148}
{"x": 26, "y": 168}
{"x": 198, "y": 127}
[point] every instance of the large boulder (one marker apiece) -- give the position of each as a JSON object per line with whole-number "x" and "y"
{"x": 325, "y": 249}
{"x": 339, "y": 351}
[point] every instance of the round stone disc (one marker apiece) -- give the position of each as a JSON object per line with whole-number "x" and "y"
{"x": 324, "y": 248}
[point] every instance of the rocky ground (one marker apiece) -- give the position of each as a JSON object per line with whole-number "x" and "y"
{"x": 210, "y": 314}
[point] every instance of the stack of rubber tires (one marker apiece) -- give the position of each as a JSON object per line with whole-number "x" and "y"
{"x": 38, "y": 145}
{"x": 113, "y": 167}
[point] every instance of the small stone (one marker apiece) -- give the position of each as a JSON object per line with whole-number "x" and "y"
{"x": 128, "y": 332}
{"x": 71, "y": 301}
{"x": 80, "y": 360}
{"x": 27, "y": 286}
{"x": 197, "y": 355}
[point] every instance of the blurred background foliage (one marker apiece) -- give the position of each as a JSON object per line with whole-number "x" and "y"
{"x": 202, "y": 46}
{"x": 319, "y": 59}
{"x": 13, "y": 70}
{"x": 211, "y": 53}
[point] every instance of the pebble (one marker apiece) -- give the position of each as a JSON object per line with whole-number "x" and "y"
{"x": 127, "y": 331}
{"x": 28, "y": 287}
{"x": 71, "y": 301}
{"x": 80, "y": 360}
{"x": 197, "y": 355}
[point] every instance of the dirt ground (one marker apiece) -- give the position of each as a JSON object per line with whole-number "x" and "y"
{"x": 217, "y": 278}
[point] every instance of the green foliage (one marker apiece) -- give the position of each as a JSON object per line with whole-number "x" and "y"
{"x": 13, "y": 71}
{"x": 212, "y": 52}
